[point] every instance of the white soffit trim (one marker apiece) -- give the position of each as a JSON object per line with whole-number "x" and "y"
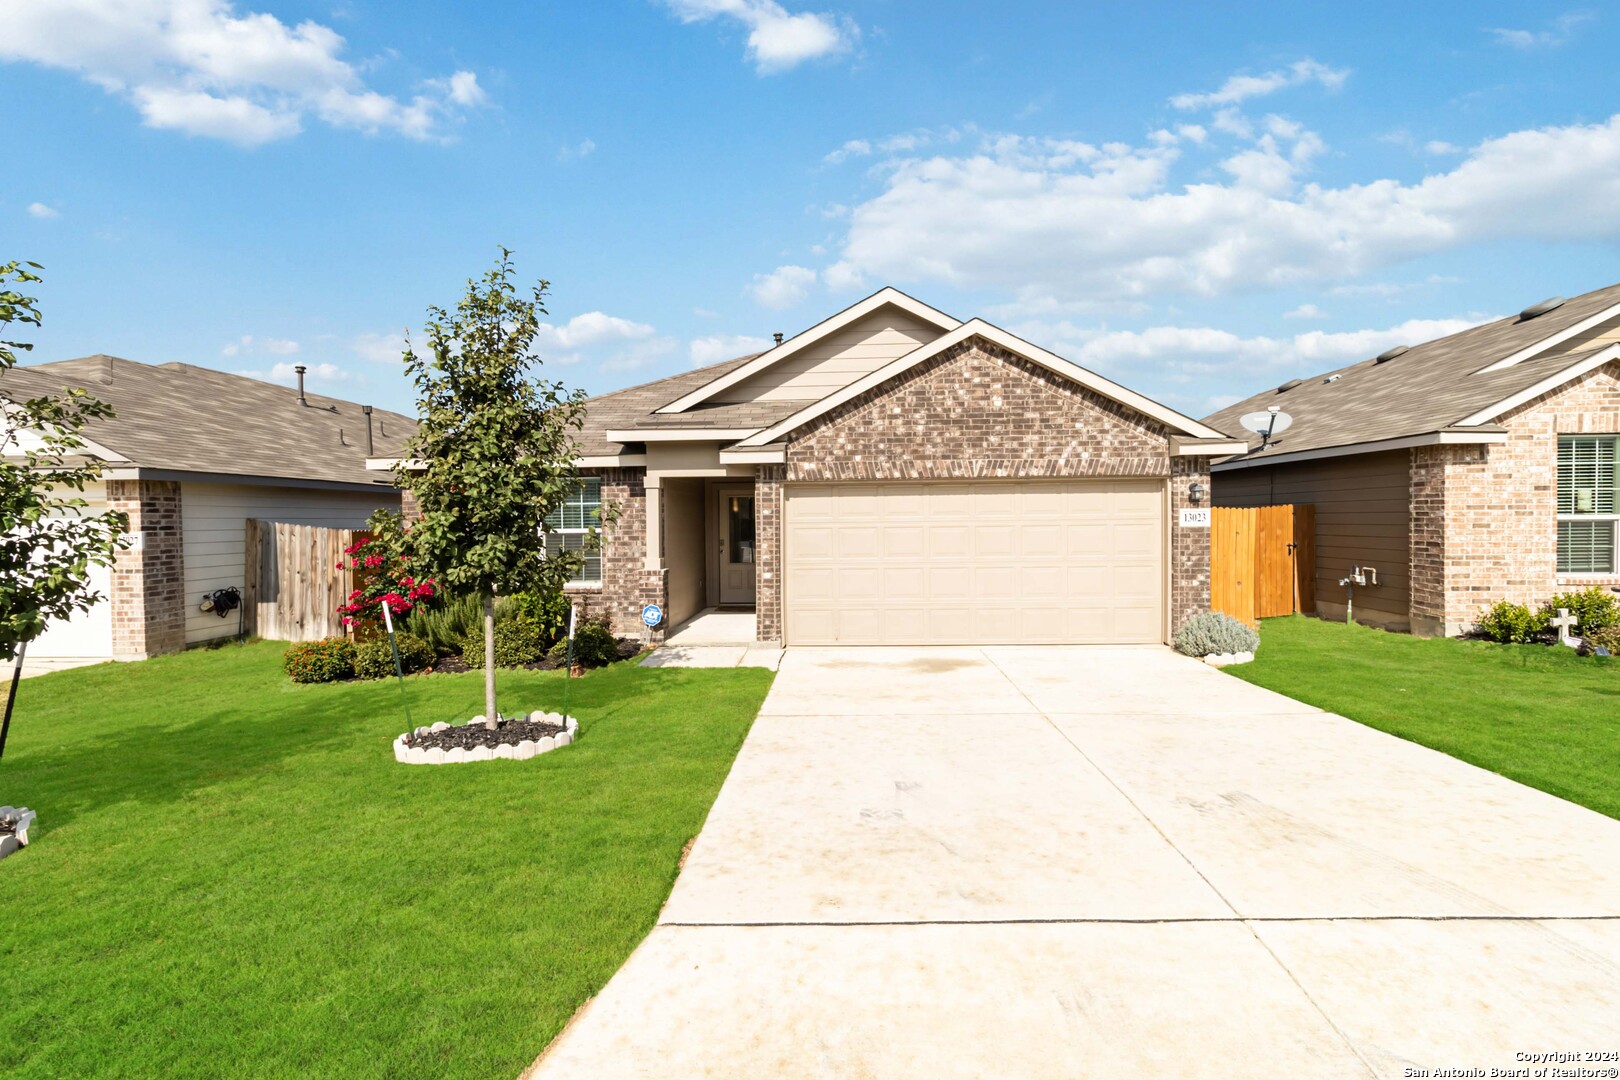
{"x": 386, "y": 464}
{"x": 610, "y": 461}
{"x": 1433, "y": 438}
{"x": 996, "y": 335}
{"x": 764, "y": 455}
{"x": 1209, "y": 447}
{"x": 1551, "y": 382}
{"x": 646, "y": 435}
{"x": 887, "y": 296}
{"x": 1530, "y": 352}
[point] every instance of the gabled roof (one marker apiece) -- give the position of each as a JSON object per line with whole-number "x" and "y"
{"x": 885, "y": 297}
{"x": 179, "y": 418}
{"x": 1453, "y": 386}
{"x": 1177, "y": 423}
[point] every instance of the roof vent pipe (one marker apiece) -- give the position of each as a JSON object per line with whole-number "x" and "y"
{"x": 367, "y": 410}
{"x": 301, "y": 369}
{"x": 778, "y": 337}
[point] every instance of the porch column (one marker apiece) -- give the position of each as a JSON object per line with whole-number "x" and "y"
{"x": 655, "y": 523}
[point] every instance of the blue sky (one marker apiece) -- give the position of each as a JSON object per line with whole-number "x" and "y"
{"x": 1197, "y": 201}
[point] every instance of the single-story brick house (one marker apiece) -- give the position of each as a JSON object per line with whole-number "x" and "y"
{"x": 191, "y": 455}
{"x": 1470, "y": 469}
{"x": 893, "y": 475}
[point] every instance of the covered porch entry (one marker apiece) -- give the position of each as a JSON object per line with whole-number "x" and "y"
{"x": 709, "y": 552}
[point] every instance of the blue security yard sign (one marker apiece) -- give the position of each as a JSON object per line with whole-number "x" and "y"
{"x": 652, "y": 614}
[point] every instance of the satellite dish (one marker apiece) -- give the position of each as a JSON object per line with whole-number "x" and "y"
{"x": 1268, "y": 425}
{"x": 1550, "y": 304}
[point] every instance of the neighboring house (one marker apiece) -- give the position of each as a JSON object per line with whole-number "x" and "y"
{"x": 895, "y": 476}
{"x": 191, "y": 455}
{"x": 1470, "y": 469}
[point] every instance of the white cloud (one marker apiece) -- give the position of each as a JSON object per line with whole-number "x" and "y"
{"x": 614, "y": 343}
{"x": 1305, "y": 311}
{"x": 288, "y": 374}
{"x": 777, "y": 39}
{"x": 1560, "y": 32}
{"x": 1439, "y": 146}
{"x": 852, "y": 148}
{"x": 582, "y": 149}
{"x": 41, "y": 211}
{"x": 1240, "y": 88}
{"x": 1184, "y": 353}
{"x": 379, "y": 348}
{"x": 783, "y": 287}
{"x": 200, "y": 67}
{"x": 1058, "y": 223}
{"x": 248, "y": 345}
{"x": 641, "y": 354}
{"x": 717, "y": 347}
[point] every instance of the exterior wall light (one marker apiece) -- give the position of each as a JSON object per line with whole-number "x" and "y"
{"x": 1195, "y": 493}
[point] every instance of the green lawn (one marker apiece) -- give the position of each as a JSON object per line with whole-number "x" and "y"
{"x": 1542, "y": 716}
{"x": 231, "y": 875}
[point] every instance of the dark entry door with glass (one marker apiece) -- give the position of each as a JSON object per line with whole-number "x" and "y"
{"x": 735, "y": 528}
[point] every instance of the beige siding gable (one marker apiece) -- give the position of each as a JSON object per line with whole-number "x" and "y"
{"x": 1605, "y": 333}
{"x": 837, "y": 360}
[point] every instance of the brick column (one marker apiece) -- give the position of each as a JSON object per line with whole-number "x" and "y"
{"x": 1189, "y": 548}
{"x": 1427, "y": 541}
{"x": 148, "y": 581}
{"x": 768, "y": 552}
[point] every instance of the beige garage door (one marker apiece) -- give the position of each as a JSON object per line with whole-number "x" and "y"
{"x": 986, "y": 562}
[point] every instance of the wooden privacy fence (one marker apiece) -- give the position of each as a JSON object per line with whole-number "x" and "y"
{"x": 296, "y": 577}
{"x": 1262, "y": 560}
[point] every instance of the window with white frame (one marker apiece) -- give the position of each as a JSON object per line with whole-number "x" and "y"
{"x": 569, "y": 528}
{"x": 1587, "y": 516}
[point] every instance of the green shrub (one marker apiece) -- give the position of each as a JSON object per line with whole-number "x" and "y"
{"x": 1606, "y": 638}
{"x": 327, "y": 660}
{"x": 375, "y": 660}
{"x": 1510, "y": 623}
{"x": 446, "y": 621}
{"x": 1210, "y": 632}
{"x": 548, "y": 611}
{"x": 518, "y": 641}
{"x": 1594, "y": 609}
{"x": 594, "y": 644}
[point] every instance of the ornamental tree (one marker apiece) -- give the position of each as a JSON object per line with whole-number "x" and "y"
{"x": 493, "y": 452}
{"x": 48, "y": 544}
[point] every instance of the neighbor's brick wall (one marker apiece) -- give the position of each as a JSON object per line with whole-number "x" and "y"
{"x": 768, "y": 552}
{"x": 627, "y": 585}
{"x": 148, "y": 585}
{"x": 974, "y": 412}
{"x": 1485, "y": 517}
{"x": 1189, "y": 548}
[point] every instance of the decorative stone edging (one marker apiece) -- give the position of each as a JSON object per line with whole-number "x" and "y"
{"x": 406, "y": 754}
{"x": 18, "y": 818}
{"x": 1223, "y": 659}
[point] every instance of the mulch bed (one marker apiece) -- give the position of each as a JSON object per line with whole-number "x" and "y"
{"x": 472, "y": 736}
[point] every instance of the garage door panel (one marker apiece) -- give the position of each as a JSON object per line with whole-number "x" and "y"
{"x": 980, "y": 562}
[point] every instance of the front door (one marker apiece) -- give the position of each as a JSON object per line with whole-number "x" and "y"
{"x": 734, "y": 525}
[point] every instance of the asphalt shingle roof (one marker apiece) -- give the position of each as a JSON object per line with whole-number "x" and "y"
{"x": 190, "y": 419}
{"x": 1428, "y": 388}
{"x": 636, "y": 406}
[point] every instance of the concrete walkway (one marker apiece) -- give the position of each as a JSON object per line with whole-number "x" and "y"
{"x": 1065, "y": 862}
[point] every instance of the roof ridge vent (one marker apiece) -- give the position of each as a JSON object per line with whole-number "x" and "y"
{"x": 1552, "y": 303}
{"x": 1289, "y": 385}
{"x": 1390, "y": 354}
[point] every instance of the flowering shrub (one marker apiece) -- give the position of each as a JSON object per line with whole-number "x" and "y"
{"x": 385, "y": 577}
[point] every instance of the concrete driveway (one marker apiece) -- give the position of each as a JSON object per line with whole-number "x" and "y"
{"x": 1065, "y": 862}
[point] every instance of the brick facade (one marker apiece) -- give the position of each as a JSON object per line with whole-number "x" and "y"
{"x": 148, "y": 583}
{"x": 627, "y": 585}
{"x": 978, "y": 412}
{"x": 1484, "y": 518}
{"x": 1189, "y": 547}
{"x": 974, "y": 412}
{"x": 768, "y": 507}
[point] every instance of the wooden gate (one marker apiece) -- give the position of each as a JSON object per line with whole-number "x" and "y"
{"x": 296, "y": 577}
{"x": 1262, "y": 560}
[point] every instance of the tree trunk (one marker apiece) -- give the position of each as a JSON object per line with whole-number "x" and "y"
{"x": 491, "y": 717}
{"x": 11, "y": 697}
